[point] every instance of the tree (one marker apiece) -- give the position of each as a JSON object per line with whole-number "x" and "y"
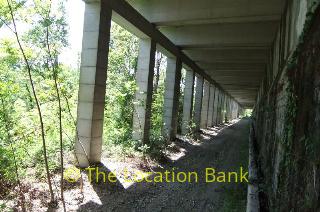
{"x": 29, "y": 70}
{"x": 39, "y": 47}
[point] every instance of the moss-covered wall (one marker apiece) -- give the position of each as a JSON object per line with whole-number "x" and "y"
{"x": 287, "y": 113}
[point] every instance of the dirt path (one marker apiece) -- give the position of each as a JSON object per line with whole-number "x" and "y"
{"x": 224, "y": 148}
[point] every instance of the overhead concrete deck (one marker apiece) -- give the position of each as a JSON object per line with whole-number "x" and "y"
{"x": 223, "y": 44}
{"x": 229, "y": 39}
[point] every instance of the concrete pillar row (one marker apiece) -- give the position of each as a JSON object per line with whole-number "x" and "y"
{"x": 198, "y": 103}
{"x": 188, "y": 102}
{"x": 205, "y": 104}
{"x": 210, "y": 109}
{"x": 171, "y": 98}
{"x": 92, "y": 86}
{"x": 143, "y": 96}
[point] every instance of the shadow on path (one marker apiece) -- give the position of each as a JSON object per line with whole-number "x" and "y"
{"x": 223, "y": 148}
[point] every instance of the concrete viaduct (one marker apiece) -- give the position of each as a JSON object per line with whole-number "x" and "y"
{"x": 238, "y": 54}
{"x": 232, "y": 50}
{"x": 218, "y": 63}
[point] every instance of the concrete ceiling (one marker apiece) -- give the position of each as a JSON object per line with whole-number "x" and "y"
{"x": 229, "y": 39}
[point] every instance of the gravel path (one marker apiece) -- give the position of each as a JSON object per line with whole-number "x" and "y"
{"x": 224, "y": 148}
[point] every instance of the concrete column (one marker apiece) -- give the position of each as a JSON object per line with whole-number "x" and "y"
{"x": 92, "y": 86}
{"x": 187, "y": 102}
{"x": 198, "y": 103}
{"x": 236, "y": 113}
{"x": 143, "y": 97}
{"x": 205, "y": 104}
{"x": 210, "y": 109}
{"x": 228, "y": 108}
{"x": 171, "y": 98}
{"x": 224, "y": 100}
{"x": 215, "y": 107}
{"x": 231, "y": 106}
{"x": 234, "y": 110}
{"x": 220, "y": 108}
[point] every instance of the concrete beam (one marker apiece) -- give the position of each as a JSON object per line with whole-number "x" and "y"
{"x": 224, "y": 56}
{"x": 132, "y": 17}
{"x": 243, "y": 66}
{"x": 227, "y": 35}
{"x": 175, "y": 13}
{"x": 222, "y": 20}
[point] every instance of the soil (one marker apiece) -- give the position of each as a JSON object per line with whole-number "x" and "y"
{"x": 224, "y": 148}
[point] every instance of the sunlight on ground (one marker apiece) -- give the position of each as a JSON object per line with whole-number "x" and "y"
{"x": 128, "y": 172}
{"x": 179, "y": 151}
{"x": 214, "y": 131}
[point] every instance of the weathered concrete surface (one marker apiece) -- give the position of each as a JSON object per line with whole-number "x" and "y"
{"x": 128, "y": 17}
{"x": 92, "y": 88}
{"x": 221, "y": 35}
{"x": 215, "y": 107}
{"x": 205, "y": 104}
{"x": 210, "y": 106}
{"x": 198, "y": 103}
{"x": 143, "y": 98}
{"x": 219, "y": 109}
{"x": 171, "y": 98}
{"x": 287, "y": 116}
{"x": 188, "y": 102}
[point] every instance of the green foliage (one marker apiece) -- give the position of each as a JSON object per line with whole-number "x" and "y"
{"x": 248, "y": 113}
{"x": 44, "y": 24}
{"x": 120, "y": 97}
{"x": 289, "y": 165}
{"x": 121, "y": 88}
{"x": 181, "y": 98}
{"x": 290, "y": 114}
{"x": 19, "y": 113}
{"x": 291, "y": 109}
{"x": 156, "y": 138}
